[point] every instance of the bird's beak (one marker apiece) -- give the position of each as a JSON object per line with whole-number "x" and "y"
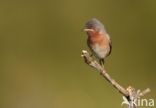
{"x": 86, "y": 30}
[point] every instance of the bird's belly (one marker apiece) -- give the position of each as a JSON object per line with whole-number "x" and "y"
{"x": 100, "y": 52}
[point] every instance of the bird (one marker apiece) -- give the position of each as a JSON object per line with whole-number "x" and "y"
{"x": 98, "y": 40}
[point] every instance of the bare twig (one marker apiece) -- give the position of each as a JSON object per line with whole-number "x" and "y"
{"x": 144, "y": 92}
{"x": 130, "y": 93}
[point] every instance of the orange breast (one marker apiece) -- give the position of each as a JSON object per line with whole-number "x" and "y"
{"x": 100, "y": 39}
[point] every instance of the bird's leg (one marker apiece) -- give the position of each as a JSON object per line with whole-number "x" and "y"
{"x": 101, "y": 61}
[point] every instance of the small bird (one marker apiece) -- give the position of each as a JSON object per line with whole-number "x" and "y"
{"x": 98, "y": 40}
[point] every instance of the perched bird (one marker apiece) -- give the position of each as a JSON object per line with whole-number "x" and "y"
{"x": 98, "y": 40}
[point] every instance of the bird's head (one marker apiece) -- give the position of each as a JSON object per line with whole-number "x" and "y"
{"x": 94, "y": 26}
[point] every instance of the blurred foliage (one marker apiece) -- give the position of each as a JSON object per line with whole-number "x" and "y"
{"x": 41, "y": 43}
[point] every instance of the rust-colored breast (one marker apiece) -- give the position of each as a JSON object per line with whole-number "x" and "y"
{"x": 100, "y": 39}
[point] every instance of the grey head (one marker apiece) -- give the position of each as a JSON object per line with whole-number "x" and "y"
{"x": 95, "y": 24}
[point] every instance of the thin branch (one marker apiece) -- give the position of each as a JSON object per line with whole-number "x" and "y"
{"x": 130, "y": 93}
{"x": 89, "y": 60}
{"x": 144, "y": 92}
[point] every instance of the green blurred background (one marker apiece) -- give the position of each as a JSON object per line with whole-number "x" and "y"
{"x": 41, "y": 43}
